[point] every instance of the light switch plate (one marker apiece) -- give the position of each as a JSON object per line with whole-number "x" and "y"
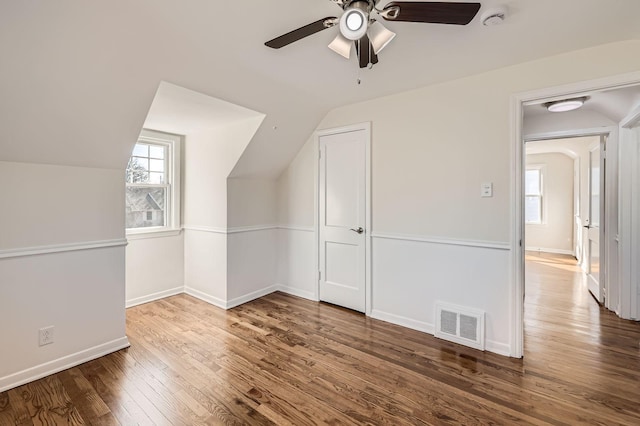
{"x": 486, "y": 189}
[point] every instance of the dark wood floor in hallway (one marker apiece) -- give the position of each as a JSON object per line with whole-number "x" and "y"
{"x": 288, "y": 361}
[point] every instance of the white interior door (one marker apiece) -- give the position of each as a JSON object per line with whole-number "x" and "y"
{"x": 594, "y": 228}
{"x": 341, "y": 216}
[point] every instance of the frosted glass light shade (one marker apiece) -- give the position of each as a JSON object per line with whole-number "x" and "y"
{"x": 379, "y": 36}
{"x": 566, "y": 104}
{"x": 341, "y": 45}
{"x": 353, "y": 23}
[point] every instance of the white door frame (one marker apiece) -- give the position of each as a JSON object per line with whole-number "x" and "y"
{"x": 366, "y": 126}
{"x": 630, "y": 241}
{"x": 516, "y": 296}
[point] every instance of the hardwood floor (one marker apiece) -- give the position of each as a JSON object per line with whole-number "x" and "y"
{"x": 288, "y": 361}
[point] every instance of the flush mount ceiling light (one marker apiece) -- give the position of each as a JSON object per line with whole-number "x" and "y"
{"x": 565, "y": 104}
{"x": 359, "y": 27}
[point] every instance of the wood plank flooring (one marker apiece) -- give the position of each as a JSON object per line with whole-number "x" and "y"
{"x": 288, "y": 361}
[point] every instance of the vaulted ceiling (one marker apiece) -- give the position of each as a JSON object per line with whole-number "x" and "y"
{"x": 78, "y": 77}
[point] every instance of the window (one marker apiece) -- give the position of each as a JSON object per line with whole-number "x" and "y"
{"x": 152, "y": 179}
{"x": 533, "y": 185}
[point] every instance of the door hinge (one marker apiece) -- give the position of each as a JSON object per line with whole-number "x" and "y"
{"x": 520, "y": 243}
{"x": 319, "y": 275}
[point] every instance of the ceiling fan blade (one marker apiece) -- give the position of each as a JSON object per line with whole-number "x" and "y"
{"x": 302, "y": 32}
{"x": 431, "y": 12}
{"x": 365, "y": 52}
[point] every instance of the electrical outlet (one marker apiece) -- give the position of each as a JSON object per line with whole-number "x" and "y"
{"x": 46, "y": 335}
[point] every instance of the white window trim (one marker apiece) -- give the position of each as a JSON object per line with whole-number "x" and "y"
{"x": 543, "y": 205}
{"x": 173, "y": 222}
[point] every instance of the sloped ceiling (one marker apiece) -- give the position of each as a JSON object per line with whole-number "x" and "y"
{"x": 181, "y": 111}
{"x": 78, "y": 77}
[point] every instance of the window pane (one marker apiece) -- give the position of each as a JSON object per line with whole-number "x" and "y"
{"x": 142, "y": 163}
{"x": 157, "y": 151}
{"x": 156, "y": 165}
{"x": 136, "y": 170}
{"x": 532, "y": 210}
{"x": 145, "y": 207}
{"x": 140, "y": 150}
{"x": 156, "y": 177}
{"x": 532, "y": 182}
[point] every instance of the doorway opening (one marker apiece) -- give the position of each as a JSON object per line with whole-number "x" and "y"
{"x": 610, "y": 102}
{"x": 565, "y": 183}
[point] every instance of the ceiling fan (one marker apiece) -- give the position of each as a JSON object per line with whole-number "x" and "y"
{"x": 358, "y": 25}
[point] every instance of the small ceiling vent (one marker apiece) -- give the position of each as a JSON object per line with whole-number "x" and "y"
{"x": 460, "y": 325}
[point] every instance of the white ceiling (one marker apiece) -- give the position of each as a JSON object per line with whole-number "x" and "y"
{"x": 78, "y": 77}
{"x": 423, "y": 54}
{"x": 614, "y": 104}
{"x": 184, "y": 112}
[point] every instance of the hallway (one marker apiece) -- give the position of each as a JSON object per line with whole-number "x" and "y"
{"x": 568, "y": 335}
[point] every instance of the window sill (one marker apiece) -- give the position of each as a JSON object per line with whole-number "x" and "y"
{"x": 158, "y": 233}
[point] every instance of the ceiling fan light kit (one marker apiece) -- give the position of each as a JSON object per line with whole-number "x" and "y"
{"x": 355, "y": 20}
{"x": 341, "y": 45}
{"x": 358, "y": 26}
{"x": 379, "y": 36}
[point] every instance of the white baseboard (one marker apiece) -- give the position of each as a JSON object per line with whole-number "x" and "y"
{"x": 206, "y": 297}
{"x": 232, "y": 303}
{"x": 403, "y": 321}
{"x": 297, "y": 292}
{"x": 155, "y": 296}
{"x": 34, "y": 373}
{"x": 490, "y": 346}
{"x": 549, "y": 250}
{"x": 497, "y": 348}
{"x": 237, "y": 301}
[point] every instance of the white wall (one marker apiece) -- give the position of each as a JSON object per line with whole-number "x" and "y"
{"x": 431, "y": 149}
{"x": 251, "y": 239}
{"x": 555, "y": 234}
{"x": 208, "y": 159}
{"x": 251, "y": 202}
{"x": 205, "y": 265}
{"x": 154, "y": 267}
{"x": 296, "y": 263}
{"x": 62, "y": 265}
{"x": 251, "y": 263}
{"x": 567, "y": 121}
{"x": 59, "y": 204}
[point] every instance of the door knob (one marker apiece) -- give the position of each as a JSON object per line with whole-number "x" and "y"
{"x": 359, "y": 230}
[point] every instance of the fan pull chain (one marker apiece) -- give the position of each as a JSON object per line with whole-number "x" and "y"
{"x": 358, "y": 68}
